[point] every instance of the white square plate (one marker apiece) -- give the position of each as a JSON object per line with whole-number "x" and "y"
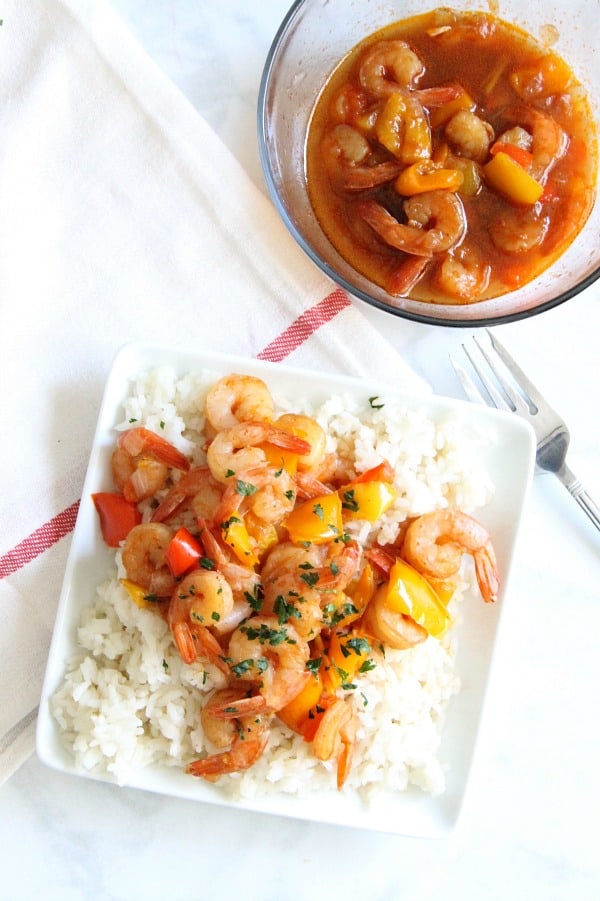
{"x": 508, "y": 459}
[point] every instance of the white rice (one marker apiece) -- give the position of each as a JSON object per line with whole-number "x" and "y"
{"x": 127, "y": 700}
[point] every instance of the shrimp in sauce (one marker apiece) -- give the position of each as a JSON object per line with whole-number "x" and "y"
{"x": 500, "y": 127}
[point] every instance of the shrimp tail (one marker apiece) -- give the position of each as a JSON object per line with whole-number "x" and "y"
{"x": 293, "y": 443}
{"x": 243, "y": 754}
{"x": 184, "y": 640}
{"x": 197, "y": 641}
{"x": 486, "y": 572}
{"x": 140, "y": 440}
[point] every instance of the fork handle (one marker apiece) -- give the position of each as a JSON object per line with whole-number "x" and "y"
{"x": 576, "y": 490}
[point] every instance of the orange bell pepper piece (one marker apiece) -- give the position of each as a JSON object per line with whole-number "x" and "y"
{"x": 347, "y": 654}
{"x": 426, "y": 175}
{"x": 296, "y": 712}
{"x": 317, "y": 520}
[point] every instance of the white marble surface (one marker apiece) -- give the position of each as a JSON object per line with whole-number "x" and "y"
{"x": 529, "y": 829}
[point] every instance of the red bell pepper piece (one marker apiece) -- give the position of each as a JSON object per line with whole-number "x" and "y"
{"x": 117, "y": 516}
{"x": 521, "y": 156}
{"x": 383, "y": 472}
{"x": 183, "y": 552}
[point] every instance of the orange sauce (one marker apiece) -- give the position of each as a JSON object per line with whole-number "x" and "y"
{"x": 497, "y": 92}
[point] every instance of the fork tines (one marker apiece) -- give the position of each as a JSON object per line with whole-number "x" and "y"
{"x": 500, "y": 382}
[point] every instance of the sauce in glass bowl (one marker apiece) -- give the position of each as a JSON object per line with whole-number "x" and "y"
{"x": 451, "y": 157}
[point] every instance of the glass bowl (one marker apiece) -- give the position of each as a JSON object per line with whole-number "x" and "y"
{"x": 313, "y": 38}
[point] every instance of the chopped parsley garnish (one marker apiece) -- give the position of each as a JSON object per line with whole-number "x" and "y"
{"x": 310, "y": 578}
{"x": 373, "y": 405}
{"x": 244, "y": 666}
{"x": 284, "y": 610}
{"x": 264, "y": 635}
{"x": 314, "y": 665}
{"x": 358, "y": 645}
{"x": 348, "y": 501}
{"x": 367, "y": 666}
{"x": 255, "y": 597}
{"x": 246, "y": 489}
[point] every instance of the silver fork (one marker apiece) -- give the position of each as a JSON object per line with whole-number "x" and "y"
{"x": 508, "y": 388}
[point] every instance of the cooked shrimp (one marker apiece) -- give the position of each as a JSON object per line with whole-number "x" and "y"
{"x": 436, "y": 222}
{"x": 549, "y": 141}
{"x": 392, "y": 628}
{"x": 245, "y": 737}
{"x": 196, "y": 489}
{"x": 270, "y": 656}
{"x": 238, "y": 398}
{"x": 140, "y": 463}
{"x": 406, "y": 275}
{"x": 299, "y": 582}
{"x": 201, "y": 600}
{"x": 336, "y": 737}
{"x": 308, "y": 485}
{"x": 308, "y": 428}
{"x": 244, "y": 582}
{"x": 469, "y": 135}
{"x": 236, "y": 449}
{"x": 268, "y": 493}
{"x": 519, "y": 229}
{"x": 347, "y": 152}
{"x": 346, "y": 145}
{"x": 463, "y": 275}
{"x": 388, "y": 66}
{"x": 144, "y": 558}
{"x": 361, "y": 178}
{"x": 435, "y": 543}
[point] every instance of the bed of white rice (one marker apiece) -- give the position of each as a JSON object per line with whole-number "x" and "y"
{"x": 128, "y": 701}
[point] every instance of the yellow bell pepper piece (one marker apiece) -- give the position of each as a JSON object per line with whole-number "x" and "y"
{"x": 425, "y": 175}
{"x": 367, "y": 500}
{"x": 403, "y": 129}
{"x": 317, "y": 520}
{"x": 409, "y": 593}
{"x": 442, "y": 114}
{"x": 235, "y": 534}
{"x": 347, "y": 654}
{"x": 444, "y": 588}
{"x": 360, "y": 594}
{"x": 511, "y": 180}
{"x": 279, "y": 458}
{"x": 140, "y": 596}
{"x": 295, "y": 713}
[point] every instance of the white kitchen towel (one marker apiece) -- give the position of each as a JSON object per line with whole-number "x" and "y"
{"x": 123, "y": 218}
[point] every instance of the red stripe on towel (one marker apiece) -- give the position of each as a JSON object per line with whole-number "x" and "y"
{"x": 39, "y": 541}
{"x": 289, "y": 340}
{"x": 304, "y": 326}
